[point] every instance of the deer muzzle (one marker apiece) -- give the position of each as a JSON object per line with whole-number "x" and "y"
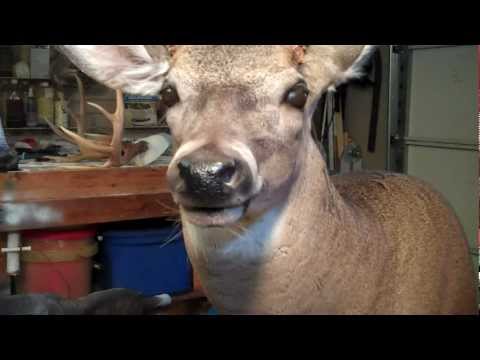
{"x": 212, "y": 188}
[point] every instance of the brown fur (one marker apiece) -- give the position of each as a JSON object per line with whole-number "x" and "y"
{"x": 433, "y": 269}
{"x": 380, "y": 244}
{"x": 307, "y": 244}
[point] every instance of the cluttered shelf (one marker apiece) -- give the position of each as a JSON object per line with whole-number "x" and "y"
{"x": 28, "y": 129}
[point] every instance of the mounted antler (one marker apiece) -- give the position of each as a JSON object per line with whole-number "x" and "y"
{"x": 99, "y": 146}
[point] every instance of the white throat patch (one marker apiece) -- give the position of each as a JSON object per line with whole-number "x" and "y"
{"x": 255, "y": 242}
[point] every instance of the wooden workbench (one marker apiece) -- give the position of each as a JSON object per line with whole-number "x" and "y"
{"x": 87, "y": 195}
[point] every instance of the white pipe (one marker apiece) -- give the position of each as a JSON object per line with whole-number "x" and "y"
{"x": 13, "y": 258}
{"x": 17, "y": 249}
{"x": 165, "y": 299}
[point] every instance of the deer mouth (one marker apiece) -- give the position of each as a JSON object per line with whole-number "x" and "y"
{"x": 215, "y": 217}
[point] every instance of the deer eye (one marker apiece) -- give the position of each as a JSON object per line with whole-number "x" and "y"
{"x": 169, "y": 96}
{"x": 297, "y": 96}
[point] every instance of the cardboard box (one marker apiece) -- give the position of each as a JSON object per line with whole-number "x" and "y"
{"x": 140, "y": 111}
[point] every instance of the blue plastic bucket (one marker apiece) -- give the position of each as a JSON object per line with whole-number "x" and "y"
{"x": 151, "y": 262}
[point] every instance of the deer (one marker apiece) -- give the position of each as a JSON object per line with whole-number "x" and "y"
{"x": 268, "y": 230}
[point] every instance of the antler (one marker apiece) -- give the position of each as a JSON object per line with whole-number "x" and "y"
{"x": 80, "y": 117}
{"x": 99, "y": 146}
{"x": 117, "y": 119}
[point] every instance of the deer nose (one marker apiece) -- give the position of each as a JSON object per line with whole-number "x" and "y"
{"x": 200, "y": 171}
{"x": 209, "y": 181}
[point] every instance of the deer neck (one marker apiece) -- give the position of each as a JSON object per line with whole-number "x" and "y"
{"x": 309, "y": 216}
{"x": 265, "y": 265}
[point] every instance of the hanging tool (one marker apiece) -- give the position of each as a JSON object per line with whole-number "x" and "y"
{"x": 377, "y": 87}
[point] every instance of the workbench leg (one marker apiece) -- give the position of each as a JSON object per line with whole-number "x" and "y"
{"x": 13, "y": 259}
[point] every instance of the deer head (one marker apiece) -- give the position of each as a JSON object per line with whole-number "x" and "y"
{"x": 239, "y": 115}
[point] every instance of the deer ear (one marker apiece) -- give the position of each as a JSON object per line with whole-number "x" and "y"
{"x": 332, "y": 65}
{"x": 135, "y": 69}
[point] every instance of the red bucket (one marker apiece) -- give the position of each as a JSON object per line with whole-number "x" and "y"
{"x": 59, "y": 263}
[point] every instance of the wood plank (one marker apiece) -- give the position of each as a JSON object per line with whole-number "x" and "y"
{"x": 83, "y": 184}
{"x": 88, "y": 196}
{"x": 100, "y": 210}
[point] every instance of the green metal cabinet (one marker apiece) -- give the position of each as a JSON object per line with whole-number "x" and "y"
{"x": 440, "y": 139}
{"x": 428, "y": 124}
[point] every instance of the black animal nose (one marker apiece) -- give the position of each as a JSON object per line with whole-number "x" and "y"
{"x": 221, "y": 171}
{"x": 208, "y": 180}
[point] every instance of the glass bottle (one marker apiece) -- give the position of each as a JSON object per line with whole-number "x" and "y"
{"x": 61, "y": 115}
{"x": 15, "y": 109}
{"x": 31, "y": 106}
{"x": 45, "y": 105}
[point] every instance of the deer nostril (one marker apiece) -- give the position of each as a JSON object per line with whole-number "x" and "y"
{"x": 184, "y": 167}
{"x": 207, "y": 178}
{"x": 227, "y": 171}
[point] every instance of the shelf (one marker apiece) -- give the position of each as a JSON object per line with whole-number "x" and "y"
{"x": 28, "y": 129}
